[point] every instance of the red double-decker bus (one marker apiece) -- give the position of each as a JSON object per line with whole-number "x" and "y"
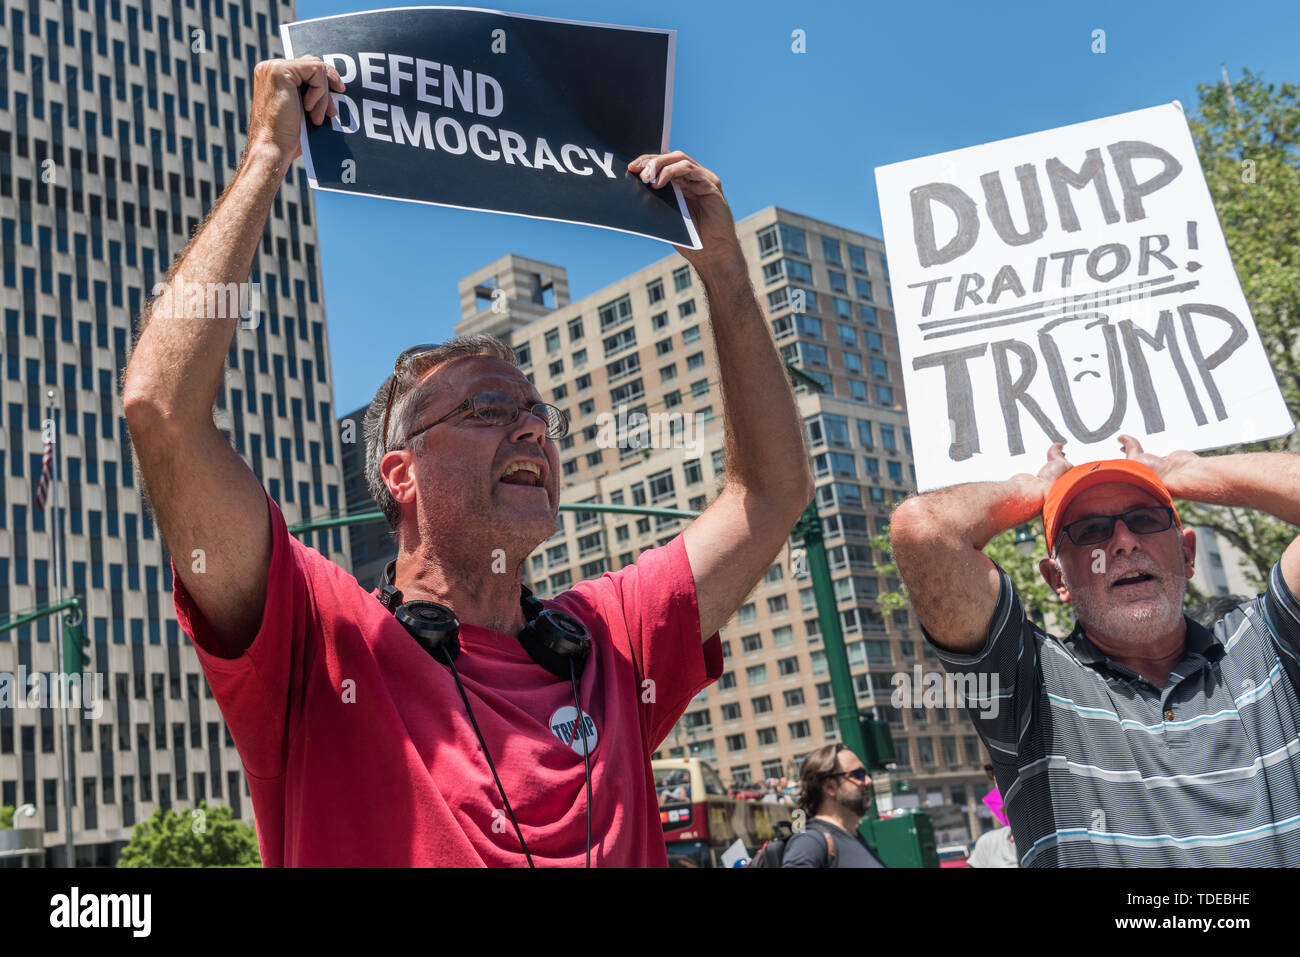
{"x": 700, "y": 820}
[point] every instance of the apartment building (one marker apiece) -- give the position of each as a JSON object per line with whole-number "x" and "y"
{"x": 121, "y": 122}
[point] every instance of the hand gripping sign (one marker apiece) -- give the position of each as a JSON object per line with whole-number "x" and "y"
{"x": 1068, "y": 286}
{"x": 478, "y": 109}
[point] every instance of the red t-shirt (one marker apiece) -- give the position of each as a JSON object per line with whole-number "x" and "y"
{"x": 358, "y": 750}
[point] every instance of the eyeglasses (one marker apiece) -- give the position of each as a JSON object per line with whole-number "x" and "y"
{"x": 497, "y": 408}
{"x": 858, "y": 774}
{"x": 1147, "y": 520}
{"x": 417, "y": 360}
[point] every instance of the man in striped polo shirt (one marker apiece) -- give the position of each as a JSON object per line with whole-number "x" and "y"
{"x": 1142, "y": 738}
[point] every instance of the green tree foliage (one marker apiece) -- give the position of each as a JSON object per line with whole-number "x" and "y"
{"x": 1248, "y": 141}
{"x": 202, "y": 837}
{"x": 6, "y": 817}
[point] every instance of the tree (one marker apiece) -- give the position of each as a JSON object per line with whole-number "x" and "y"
{"x": 1248, "y": 141}
{"x": 203, "y": 837}
{"x": 6, "y": 817}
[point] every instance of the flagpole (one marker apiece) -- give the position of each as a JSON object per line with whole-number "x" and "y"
{"x": 56, "y": 535}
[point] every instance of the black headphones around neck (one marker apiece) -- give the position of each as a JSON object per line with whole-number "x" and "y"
{"x": 554, "y": 639}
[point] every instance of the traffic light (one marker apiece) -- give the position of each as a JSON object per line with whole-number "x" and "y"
{"x": 76, "y": 646}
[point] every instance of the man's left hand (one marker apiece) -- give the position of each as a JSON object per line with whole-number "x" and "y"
{"x": 704, "y": 199}
{"x": 1181, "y": 472}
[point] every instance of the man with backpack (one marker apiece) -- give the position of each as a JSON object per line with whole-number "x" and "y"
{"x": 835, "y": 794}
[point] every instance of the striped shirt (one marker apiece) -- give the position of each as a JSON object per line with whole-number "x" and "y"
{"x": 1099, "y": 768}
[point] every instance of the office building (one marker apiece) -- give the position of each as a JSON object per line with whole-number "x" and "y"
{"x": 121, "y": 122}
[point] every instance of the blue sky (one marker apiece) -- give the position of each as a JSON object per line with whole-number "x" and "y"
{"x": 880, "y": 82}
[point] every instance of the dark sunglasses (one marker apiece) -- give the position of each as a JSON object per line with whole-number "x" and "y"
{"x": 858, "y": 774}
{"x": 492, "y": 408}
{"x": 1095, "y": 529}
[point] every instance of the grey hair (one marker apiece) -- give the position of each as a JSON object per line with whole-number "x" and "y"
{"x": 406, "y": 408}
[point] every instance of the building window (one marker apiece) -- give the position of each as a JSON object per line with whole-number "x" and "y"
{"x": 796, "y": 271}
{"x": 575, "y": 329}
{"x": 619, "y": 341}
{"x": 553, "y": 340}
{"x": 756, "y": 675}
{"x": 794, "y": 240}
{"x": 731, "y": 712}
{"x": 661, "y": 486}
{"x": 799, "y": 730}
{"x": 766, "y": 736}
{"x": 761, "y": 705}
{"x": 793, "y": 698}
{"x": 751, "y": 642}
{"x": 659, "y": 321}
{"x": 615, "y": 313}
{"x": 654, "y": 291}
{"x": 682, "y": 279}
{"x": 727, "y": 680}
{"x": 735, "y": 742}
{"x": 768, "y": 241}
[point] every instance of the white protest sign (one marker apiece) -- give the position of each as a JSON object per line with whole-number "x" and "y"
{"x": 1070, "y": 285}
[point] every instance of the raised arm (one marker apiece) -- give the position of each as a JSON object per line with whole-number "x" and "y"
{"x": 769, "y": 483}
{"x": 202, "y": 493}
{"x": 1267, "y": 482}
{"x": 938, "y": 540}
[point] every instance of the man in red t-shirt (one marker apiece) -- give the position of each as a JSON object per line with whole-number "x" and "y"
{"x": 357, "y": 743}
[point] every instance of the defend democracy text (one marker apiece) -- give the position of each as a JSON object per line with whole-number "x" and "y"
{"x": 440, "y": 84}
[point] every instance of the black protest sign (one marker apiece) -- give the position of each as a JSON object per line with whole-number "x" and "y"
{"x": 1069, "y": 286}
{"x": 494, "y": 111}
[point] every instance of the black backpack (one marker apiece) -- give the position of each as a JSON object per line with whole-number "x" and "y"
{"x": 772, "y": 853}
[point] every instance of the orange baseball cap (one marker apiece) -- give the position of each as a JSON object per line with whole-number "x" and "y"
{"x": 1083, "y": 477}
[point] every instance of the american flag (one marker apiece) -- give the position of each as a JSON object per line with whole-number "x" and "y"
{"x": 47, "y": 467}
